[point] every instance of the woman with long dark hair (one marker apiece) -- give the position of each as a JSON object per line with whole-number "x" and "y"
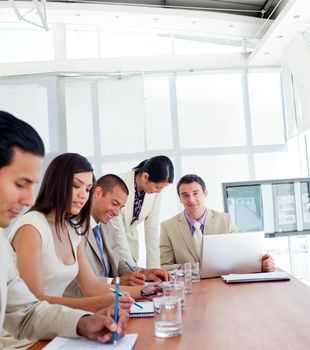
{"x": 46, "y": 240}
{"x": 145, "y": 182}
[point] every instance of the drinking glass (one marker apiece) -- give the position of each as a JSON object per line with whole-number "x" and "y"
{"x": 168, "y": 316}
{"x": 196, "y": 271}
{"x": 175, "y": 289}
{"x": 185, "y": 275}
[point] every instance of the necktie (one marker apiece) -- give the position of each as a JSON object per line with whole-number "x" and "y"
{"x": 197, "y": 238}
{"x": 96, "y": 231}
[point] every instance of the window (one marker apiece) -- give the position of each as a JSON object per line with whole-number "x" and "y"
{"x": 157, "y": 113}
{"x": 270, "y": 165}
{"x": 305, "y": 203}
{"x": 278, "y": 207}
{"x": 80, "y": 138}
{"x": 82, "y": 42}
{"x": 215, "y": 170}
{"x": 210, "y": 110}
{"x": 284, "y": 207}
{"x": 121, "y": 112}
{"x": 246, "y": 207}
{"x": 25, "y": 43}
{"x": 30, "y": 103}
{"x": 125, "y": 44}
{"x": 266, "y": 108}
{"x": 197, "y": 44}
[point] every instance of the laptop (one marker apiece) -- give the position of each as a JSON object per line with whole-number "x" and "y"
{"x": 231, "y": 253}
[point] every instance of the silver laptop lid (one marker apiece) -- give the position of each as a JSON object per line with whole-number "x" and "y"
{"x": 231, "y": 253}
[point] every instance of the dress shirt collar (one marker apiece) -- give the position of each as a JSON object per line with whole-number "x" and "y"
{"x": 93, "y": 222}
{"x": 191, "y": 221}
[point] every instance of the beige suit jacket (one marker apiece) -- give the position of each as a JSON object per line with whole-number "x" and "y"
{"x": 21, "y": 314}
{"x": 116, "y": 266}
{"x": 127, "y": 234}
{"x": 176, "y": 243}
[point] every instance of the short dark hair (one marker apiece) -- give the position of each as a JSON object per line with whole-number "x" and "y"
{"x": 159, "y": 168}
{"x": 17, "y": 133}
{"x": 56, "y": 192}
{"x": 109, "y": 181}
{"x": 190, "y": 178}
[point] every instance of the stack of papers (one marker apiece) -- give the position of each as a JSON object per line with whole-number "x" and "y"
{"x": 256, "y": 277}
{"x": 125, "y": 343}
{"x": 147, "y": 311}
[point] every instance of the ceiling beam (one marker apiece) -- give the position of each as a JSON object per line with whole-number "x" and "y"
{"x": 266, "y": 6}
{"x": 39, "y": 6}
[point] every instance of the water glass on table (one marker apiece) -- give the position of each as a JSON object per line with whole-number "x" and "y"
{"x": 196, "y": 271}
{"x": 168, "y": 316}
{"x": 185, "y": 274}
{"x": 175, "y": 289}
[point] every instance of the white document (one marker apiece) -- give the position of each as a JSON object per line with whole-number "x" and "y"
{"x": 256, "y": 277}
{"x": 126, "y": 343}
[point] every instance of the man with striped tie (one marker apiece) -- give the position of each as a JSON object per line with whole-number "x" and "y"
{"x": 102, "y": 251}
{"x": 181, "y": 235}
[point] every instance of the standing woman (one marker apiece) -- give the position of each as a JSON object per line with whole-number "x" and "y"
{"x": 145, "y": 183}
{"x": 46, "y": 240}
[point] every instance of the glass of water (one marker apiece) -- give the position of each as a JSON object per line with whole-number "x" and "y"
{"x": 168, "y": 316}
{"x": 196, "y": 271}
{"x": 174, "y": 289}
{"x": 185, "y": 275}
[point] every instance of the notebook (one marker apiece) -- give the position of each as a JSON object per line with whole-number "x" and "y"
{"x": 256, "y": 277}
{"x": 147, "y": 311}
{"x": 231, "y": 253}
{"x": 126, "y": 343}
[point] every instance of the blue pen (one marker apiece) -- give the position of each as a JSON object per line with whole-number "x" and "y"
{"x": 129, "y": 266}
{"x": 116, "y": 310}
{"x": 120, "y": 294}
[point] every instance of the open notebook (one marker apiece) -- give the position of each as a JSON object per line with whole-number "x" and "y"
{"x": 147, "y": 311}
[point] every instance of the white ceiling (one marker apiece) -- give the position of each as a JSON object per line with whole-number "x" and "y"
{"x": 255, "y": 8}
{"x": 270, "y": 36}
{"x": 293, "y": 19}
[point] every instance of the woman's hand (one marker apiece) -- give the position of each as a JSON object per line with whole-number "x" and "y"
{"x": 125, "y": 302}
{"x": 104, "y": 301}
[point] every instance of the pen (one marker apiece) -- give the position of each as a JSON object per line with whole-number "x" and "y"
{"x": 116, "y": 310}
{"x": 122, "y": 295}
{"x": 129, "y": 266}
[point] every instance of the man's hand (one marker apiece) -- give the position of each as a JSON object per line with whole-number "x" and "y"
{"x": 268, "y": 264}
{"x": 132, "y": 279}
{"x": 101, "y": 325}
{"x": 156, "y": 275}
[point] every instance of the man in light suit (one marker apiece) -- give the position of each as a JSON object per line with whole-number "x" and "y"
{"x": 21, "y": 314}
{"x": 177, "y": 243}
{"x": 109, "y": 196}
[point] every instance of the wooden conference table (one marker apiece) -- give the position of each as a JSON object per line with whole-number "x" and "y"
{"x": 264, "y": 315}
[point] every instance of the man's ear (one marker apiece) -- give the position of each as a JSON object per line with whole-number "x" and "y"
{"x": 97, "y": 192}
{"x": 206, "y": 193}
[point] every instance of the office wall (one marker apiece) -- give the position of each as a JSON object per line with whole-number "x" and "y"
{"x": 296, "y": 59}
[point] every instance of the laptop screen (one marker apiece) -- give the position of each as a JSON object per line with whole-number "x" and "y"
{"x": 231, "y": 253}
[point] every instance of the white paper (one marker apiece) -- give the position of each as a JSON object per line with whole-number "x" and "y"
{"x": 126, "y": 343}
{"x": 148, "y": 307}
{"x": 256, "y": 277}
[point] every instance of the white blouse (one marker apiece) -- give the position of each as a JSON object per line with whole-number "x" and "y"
{"x": 56, "y": 275}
